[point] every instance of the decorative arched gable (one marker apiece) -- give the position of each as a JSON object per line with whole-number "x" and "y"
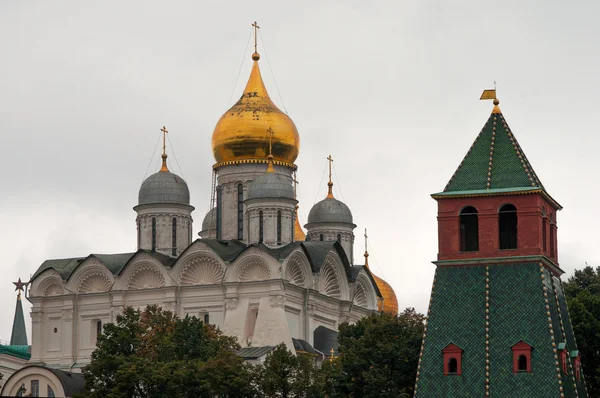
{"x": 50, "y": 286}
{"x": 297, "y": 269}
{"x": 201, "y": 270}
{"x": 332, "y": 280}
{"x": 364, "y": 292}
{"x": 94, "y": 282}
{"x": 91, "y": 277}
{"x": 253, "y": 270}
{"x": 145, "y": 277}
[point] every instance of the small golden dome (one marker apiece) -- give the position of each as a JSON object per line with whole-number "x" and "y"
{"x": 242, "y": 134}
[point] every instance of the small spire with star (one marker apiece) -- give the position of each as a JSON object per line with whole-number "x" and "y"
{"x": 19, "y": 333}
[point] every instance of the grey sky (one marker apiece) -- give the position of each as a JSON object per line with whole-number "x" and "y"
{"x": 389, "y": 88}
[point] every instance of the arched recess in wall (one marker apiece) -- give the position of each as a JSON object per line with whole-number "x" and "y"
{"x": 145, "y": 277}
{"x": 201, "y": 270}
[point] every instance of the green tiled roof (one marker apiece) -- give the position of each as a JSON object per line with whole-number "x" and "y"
{"x": 494, "y": 161}
{"x": 517, "y": 311}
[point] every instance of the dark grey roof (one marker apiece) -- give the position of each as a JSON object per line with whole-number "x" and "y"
{"x": 330, "y": 210}
{"x": 304, "y": 346}
{"x": 325, "y": 339}
{"x": 164, "y": 187}
{"x": 115, "y": 263}
{"x": 254, "y": 352}
{"x": 210, "y": 220}
{"x": 72, "y": 383}
{"x": 271, "y": 185}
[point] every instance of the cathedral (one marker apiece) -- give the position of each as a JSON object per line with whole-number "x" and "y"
{"x": 254, "y": 272}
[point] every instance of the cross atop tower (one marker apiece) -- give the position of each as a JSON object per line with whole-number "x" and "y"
{"x": 270, "y": 168}
{"x": 255, "y": 56}
{"x": 164, "y": 154}
{"x": 330, "y": 183}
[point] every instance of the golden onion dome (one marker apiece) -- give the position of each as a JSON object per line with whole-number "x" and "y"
{"x": 243, "y": 132}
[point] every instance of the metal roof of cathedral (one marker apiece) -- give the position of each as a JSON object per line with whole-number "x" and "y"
{"x": 494, "y": 161}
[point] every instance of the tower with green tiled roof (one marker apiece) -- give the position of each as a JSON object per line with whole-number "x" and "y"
{"x": 498, "y": 323}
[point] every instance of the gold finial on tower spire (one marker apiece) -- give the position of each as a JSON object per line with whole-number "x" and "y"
{"x": 491, "y": 94}
{"x": 270, "y": 168}
{"x": 256, "y": 55}
{"x": 330, "y": 183}
{"x": 164, "y": 154}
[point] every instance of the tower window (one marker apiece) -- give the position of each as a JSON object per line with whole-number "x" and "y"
{"x": 174, "y": 238}
{"x": 278, "y": 227}
{"x": 563, "y": 357}
{"x": 577, "y": 365}
{"x": 98, "y": 329}
{"x": 507, "y": 222}
{"x": 469, "y": 230}
{"x": 35, "y": 388}
{"x": 452, "y": 360}
{"x": 521, "y": 357}
{"x": 206, "y": 319}
{"x": 153, "y": 233}
{"x": 552, "y": 237}
{"x": 190, "y": 233}
{"x": 219, "y": 212}
{"x": 321, "y": 237}
{"x": 339, "y": 238}
{"x": 139, "y": 233}
{"x": 240, "y": 209}
{"x": 260, "y": 227}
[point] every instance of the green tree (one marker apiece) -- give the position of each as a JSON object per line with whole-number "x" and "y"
{"x": 285, "y": 375}
{"x": 583, "y": 297}
{"x": 156, "y": 354}
{"x": 379, "y": 355}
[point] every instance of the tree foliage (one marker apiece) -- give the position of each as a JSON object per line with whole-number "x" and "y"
{"x": 583, "y": 297}
{"x": 155, "y": 354}
{"x": 379, "y": 355}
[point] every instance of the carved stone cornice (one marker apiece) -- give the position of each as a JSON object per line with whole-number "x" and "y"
{"x": 278, "y": 301}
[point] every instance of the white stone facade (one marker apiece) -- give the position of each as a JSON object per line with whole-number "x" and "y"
{"x": 257, "y": 298}
{"x": 173, "y": 227}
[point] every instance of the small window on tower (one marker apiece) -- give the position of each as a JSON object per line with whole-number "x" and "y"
{"x": 562, "y": 347}
{"x": 278, "y": 227}
{"x": 206, "y": 319}
{"x": 321, "y": 237}
{"x": 339, "y": 238}
{"x": 240, "y": 223}
{"x": 507, "y": 223}
{"x": 452, "y": 360}
{"x": 521, "y": 357}
{"x": 576, "y": 364}
{"x": 469, "y": 230}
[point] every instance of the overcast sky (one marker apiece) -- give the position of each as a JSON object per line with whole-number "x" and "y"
{"x": 389, "y": 88}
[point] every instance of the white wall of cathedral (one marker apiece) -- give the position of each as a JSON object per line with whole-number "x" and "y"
{"x": 229, "y": 178}
{"x": 256, "y": 298}
{"x": 164, "y": 230}
{"x": 271, "y": 211}
{"x": 332, "y": 232}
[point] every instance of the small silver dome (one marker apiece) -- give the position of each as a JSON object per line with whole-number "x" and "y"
{"x": 330, "y": 210}
{"x": 210, "y": 220}
{"x": 164, "y": 187}
{"x": 271, "y": 185}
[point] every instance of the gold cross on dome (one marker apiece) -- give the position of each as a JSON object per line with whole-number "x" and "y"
{"x": 332, "y": 351}
{"x": 256, "y": 28}
{"x": 164, "y": 131}
{"x": 330, "y": 159}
